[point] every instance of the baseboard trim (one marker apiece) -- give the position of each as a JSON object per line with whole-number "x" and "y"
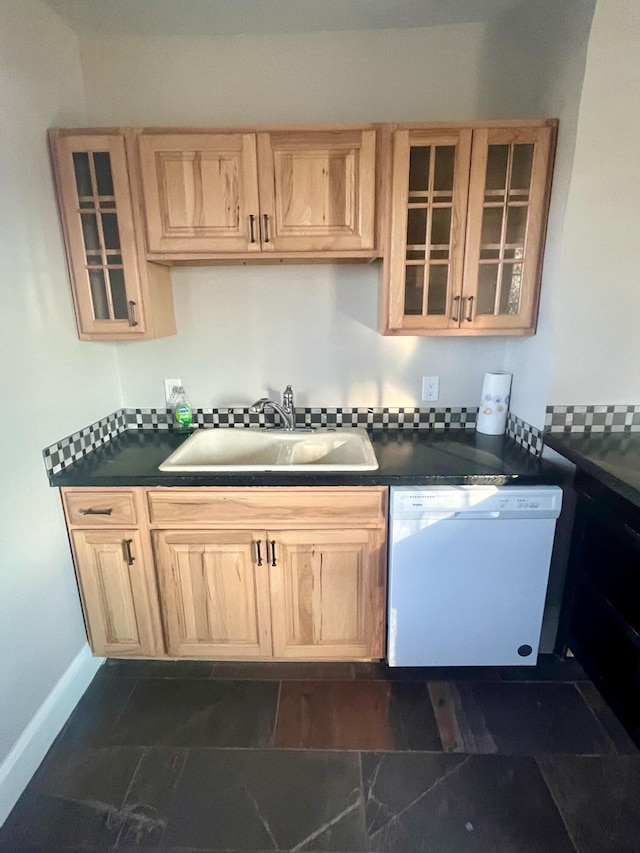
{"x": 31, "y": 747}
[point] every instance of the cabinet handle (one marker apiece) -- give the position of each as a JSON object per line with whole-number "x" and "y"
{"x": 455, "y": 314}
{"x": 127, "y": 552}
{"x": 91, "y": 511}
{"x": 259, "y": 552}
{"x": 273, "y": 552}
{"x": 265, "y": 220}
{"x": 470, "y": 314}
{"x": 252, "y": 233}
{"x": 131, "y": 310}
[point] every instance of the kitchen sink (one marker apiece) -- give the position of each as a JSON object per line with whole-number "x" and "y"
{"x": 277, "y": 450}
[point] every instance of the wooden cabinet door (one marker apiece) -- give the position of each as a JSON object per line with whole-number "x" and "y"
{"x": 97, "y": 217}
{"x": 429, "y": 207}
{"x": 508, "y": 199}
{"x": 317, "y": 190}
{"x": 215, "y": 591}
{"x": 200, "y": 192}
{"x": 118, "y": 591}
{"x": 327, "y": 593}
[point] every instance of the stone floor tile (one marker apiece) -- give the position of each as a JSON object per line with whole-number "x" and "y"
{"x": 548, "y": 668}
{"x": 356, "y": 715}
{"x": 284, "y": 671}
{"x": 198, "y": 712}
{"x": 599, "y": 799}
{"x": 157, "y": 668}
{"x": 268, "y": 800}
{"x": 75, "y": 800}
{"x": 523, "y": 718}
{"x": 421, "y": 803}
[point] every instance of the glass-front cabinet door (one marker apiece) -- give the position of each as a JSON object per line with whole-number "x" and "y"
{"x": 429, "y": 206}
{"x": 508, "y": 193}
{"x": 468, "y": 215}
{"x": 96, "y": 210}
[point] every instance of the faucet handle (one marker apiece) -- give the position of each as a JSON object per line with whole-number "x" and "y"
{"x": 287, "y": 397}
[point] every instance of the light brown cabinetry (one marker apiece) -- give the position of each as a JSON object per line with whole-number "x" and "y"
{"x": 325, "y": 594}
{"x": 215, "y": 593}
{"x": 468, "y": 218}
{"x": 117, "y": 294}
{"x": 115, "y": 574}
{"x": 250, "y": 573}
{"x": 217, "y": 195}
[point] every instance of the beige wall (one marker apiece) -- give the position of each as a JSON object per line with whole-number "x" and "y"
{"x": 52, "y": 384}
{"x": 596, "y": 344}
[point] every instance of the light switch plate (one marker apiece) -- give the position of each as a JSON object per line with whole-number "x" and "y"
{"x": 430, "y": 388}
{"x": 169, "y": 385}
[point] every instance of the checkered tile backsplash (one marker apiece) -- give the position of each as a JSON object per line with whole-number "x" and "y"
{"x": 61, "y": 454}
{"x": 453, "y": 418}
{"x": 527, "y": 436}
{"x": 590, "y": 419}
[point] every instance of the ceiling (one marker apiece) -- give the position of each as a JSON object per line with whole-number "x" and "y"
{"x": 225, "y": 17}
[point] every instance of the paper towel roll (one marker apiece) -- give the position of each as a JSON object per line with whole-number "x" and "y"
{"x": 494, "y": 404}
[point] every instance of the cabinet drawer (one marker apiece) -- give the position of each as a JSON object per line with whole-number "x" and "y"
{"x": 269, "y": 507}
{"x": 105, "y": 508}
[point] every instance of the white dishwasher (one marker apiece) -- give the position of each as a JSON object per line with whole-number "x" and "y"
{"x": 468, "y": 572}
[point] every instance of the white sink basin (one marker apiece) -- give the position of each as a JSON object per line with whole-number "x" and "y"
{"x": 244, "y": 449}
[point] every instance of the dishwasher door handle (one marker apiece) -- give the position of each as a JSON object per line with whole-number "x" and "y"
{"x": 476, "y": 515}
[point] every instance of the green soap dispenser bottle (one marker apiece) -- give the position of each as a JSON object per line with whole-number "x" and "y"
{"x": 181, "y": 409}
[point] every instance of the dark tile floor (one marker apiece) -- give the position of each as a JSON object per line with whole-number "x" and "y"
{"x": 196, "y": 756}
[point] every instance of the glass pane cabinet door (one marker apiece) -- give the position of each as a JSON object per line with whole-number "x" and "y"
{"x": 508, "y": 193}
{"x": 430, "y": 173}
{"x": 96, "y": 208}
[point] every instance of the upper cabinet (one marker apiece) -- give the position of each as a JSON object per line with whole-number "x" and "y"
{"x": 117, "y": 294}
{"x": 457, "y": 212}
{"x": 468, "y": 216}
{"x": 221, "y": 195}
{"x": 200, "y": 192}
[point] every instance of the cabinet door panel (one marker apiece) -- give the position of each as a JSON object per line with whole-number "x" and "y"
{"x": 119, "y": 596}
{"x": 430, "y": 179}
{"x": 327, "y": 594}
{"x": 508, "y": 196}
{"x": 215, "y": 595}
{"x": 200, "y": 191}
{"x": 97, "y": 216}
{"x": 317, "y": 190}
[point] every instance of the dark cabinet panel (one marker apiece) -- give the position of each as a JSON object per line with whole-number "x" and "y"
{"x": 602, "y": 599}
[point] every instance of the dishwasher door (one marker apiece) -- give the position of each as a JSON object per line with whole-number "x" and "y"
{"x": 467, "y": 590}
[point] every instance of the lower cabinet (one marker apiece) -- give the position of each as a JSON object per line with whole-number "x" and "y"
{"x": 325, "y": 587}
{"x": 237, "y": 574}
{"x": 215, "y": 593}
{"x": 602, "y": 597}
{"x": 118, "y": 593}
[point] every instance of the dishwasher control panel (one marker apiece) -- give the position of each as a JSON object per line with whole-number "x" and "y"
{"x": 407, "y": 501}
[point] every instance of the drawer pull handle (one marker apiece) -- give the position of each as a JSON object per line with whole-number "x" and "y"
{"x": 127, "y": 552}
{"x": 132, "y": 313}
{"x": 265, "y": 235}
{"x": 252, "y": 233}
{"x": 259, "y": 552}
{"x": 91, "y": 511}
{"x": 273, "y": 552}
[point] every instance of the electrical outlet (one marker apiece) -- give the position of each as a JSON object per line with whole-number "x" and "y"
{"x": 169, "y": 385}
{"x": 430, "y": 388}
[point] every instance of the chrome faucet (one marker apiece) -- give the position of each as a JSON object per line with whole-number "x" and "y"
{"x": 286, "y": 409}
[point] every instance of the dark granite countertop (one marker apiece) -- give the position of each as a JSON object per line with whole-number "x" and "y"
{"x": 405, "y": 457}
{"x": 612, "y": 458}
